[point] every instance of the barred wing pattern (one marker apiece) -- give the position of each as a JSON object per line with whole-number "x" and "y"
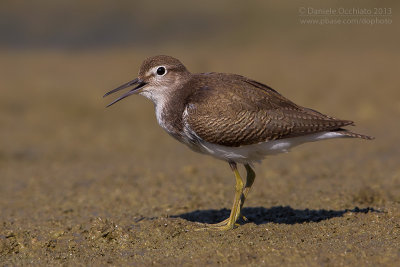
{"x": 244, "y": 112}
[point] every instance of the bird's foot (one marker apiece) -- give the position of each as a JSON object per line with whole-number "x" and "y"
{"x": 222, "y": 226}
{"x": 226, "y": 224}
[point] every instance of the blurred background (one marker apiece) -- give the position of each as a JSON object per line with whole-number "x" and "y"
{"x": 61, "y": 150}
{"x": 59, "y": 57}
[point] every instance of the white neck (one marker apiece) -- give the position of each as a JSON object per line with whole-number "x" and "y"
{"x": 159, "y": 97}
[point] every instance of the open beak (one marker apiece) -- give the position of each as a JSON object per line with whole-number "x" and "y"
{"x": 136, "y": 81}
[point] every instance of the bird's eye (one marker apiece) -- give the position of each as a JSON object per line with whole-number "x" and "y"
{"x": 161, "y": 71}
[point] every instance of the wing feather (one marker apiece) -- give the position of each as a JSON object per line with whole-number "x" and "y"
{"x": 236, "y": 111}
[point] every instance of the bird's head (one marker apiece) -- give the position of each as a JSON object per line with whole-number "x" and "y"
{"x": 158, "y": 76}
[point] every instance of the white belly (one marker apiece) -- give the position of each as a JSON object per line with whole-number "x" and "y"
{"x": 257, "y": 152}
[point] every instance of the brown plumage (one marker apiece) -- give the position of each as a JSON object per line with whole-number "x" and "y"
{"x": 232, "y": 110}
{"x": 230, "y": 117}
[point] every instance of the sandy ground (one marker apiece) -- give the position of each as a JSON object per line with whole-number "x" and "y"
{"x": 84, "y": 185}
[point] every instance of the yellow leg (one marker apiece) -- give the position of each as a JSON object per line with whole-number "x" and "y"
{"x": 250, "y": 177}
{"x": 235, "y": 211}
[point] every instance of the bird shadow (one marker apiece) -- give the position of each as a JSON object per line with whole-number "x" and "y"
{"x": 278, "y": 214}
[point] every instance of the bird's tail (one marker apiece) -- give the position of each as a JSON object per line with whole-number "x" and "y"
{"x": 348, "y": 133}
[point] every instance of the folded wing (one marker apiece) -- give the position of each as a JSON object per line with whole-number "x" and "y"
{"x": 238, "y": 111}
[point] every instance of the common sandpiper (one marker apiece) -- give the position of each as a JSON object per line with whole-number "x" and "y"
{"x": 230, "y": 117}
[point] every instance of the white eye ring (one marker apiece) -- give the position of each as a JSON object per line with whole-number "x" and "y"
{"x": 161, "y": 71}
